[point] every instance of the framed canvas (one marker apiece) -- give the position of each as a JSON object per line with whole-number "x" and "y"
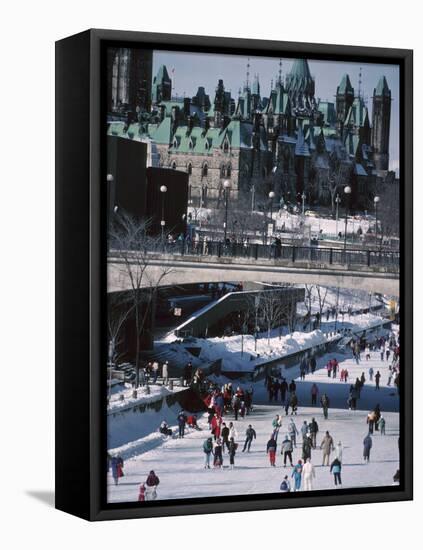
{"x": 233, "y": 266}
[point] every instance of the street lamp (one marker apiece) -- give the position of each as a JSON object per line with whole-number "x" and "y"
{"x": 303, "y": 198}
{"x": 337, "y": 201}
{"x": 163, "y": 190}
{"x": 376, "y": 201}
{"x": 226, "y": 187}
{"x": 271, "y": 197}
{"x": 347, "y": 191}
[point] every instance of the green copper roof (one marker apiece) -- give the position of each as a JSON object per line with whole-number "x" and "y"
{"x": 299, "y": 79}
{"x": 345, "y": 86}
{"x": 162, "y": 133}
{"x": 162, "y": 74}
{"x": 382, "y": 88}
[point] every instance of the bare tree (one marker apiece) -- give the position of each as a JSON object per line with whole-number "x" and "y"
{"x": 321, "y": 295}
{"x": 272, "y": 308}
{"x": 131, "y": 244}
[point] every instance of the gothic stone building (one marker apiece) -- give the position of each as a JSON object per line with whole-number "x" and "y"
{"x": 289, "y": 142}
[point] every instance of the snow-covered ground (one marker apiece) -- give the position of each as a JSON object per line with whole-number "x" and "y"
{"x": 279, "y": 345}
{"x": 179, "y": 463}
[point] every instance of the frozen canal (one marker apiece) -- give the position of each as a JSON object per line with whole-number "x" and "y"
{"x": 179, "y": 463}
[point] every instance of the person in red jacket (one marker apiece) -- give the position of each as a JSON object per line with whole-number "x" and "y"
{"x": 141, "y": 496}
{"x": 151, "y": 486}
{"x": 215, "y": 426}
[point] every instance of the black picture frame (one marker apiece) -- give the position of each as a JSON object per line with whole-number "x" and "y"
{"x": 81, "y": 273}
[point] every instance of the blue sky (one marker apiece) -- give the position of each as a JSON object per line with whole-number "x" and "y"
{"x": 193, "y": 70}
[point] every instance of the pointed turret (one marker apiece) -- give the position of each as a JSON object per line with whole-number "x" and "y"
{"x": 381, "y": 124}
{"x": 344, "y": 99}
{"x": 162, "y": 86}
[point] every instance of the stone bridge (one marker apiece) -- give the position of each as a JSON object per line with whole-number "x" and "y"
{"x": 381, "y": 277}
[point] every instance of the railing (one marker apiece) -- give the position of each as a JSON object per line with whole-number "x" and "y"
{"x": 286, "y": 253}
{"x": 372, "y": 259}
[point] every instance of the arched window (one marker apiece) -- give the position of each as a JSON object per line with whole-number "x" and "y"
{"x": 173, "y": 165}
{"x": 205, "y": 170}
{"x": 229, "y": 170}
{"x": 222, "y": 171}
{"x": 189, "y": 169}
{"x": 226, "y": 146}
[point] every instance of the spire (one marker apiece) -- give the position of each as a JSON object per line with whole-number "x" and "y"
{"x": 345, "y": 86}
{"x": 382, "y": 88}
{"x": 255, "y": 90}
{"x": 360, "y": 81}
{"x": 280, "y": 72}
{"x": 247, "y": 80}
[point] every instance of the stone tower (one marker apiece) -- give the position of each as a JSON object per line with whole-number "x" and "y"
{"x": 381, "y": 119}
{"x": 344, "y": 100}
{"x": 162, "y": 86}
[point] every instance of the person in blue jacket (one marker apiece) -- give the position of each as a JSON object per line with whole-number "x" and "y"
{"x": 335, "y": 468}
{"x": 296, "y": 474}
{"x": 182, "y": 420}
{"x": 116, "y": 463}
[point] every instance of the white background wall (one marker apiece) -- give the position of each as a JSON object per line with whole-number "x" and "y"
{"x": 28, "y": 32}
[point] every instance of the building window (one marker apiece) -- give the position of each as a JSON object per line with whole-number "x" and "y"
{"x": 173, "y": 165}
{"x": 205, "y": 171}
{"x": 189, "y": 169}
{"x": 226, "y": 146}
{"x": 222, "y": 171}
{"x": 229, "y": 170}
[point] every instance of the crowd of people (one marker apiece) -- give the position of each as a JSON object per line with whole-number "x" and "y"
{"x": 228, "y": 405}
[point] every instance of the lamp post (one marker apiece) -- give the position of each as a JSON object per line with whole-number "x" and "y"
{"x": 337, "y": 201}
{"x": 303, "y": 198}
{"x": 375, "y": 202}
{"x": 226, "y": 187}
{"x": 347, "y": 191}
{"x": 271, "y": 197}
{"x": 163, "y": 190}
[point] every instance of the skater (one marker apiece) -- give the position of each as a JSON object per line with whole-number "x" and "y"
{"x": 165, "y": 373}
{"x": 283, "y": 389}
{"x": 314, "y": 393}
{"x": 313, "y": 428}
{"x": 296, "y": 474}
{"x": 208, "y": 450}
{"x": 306, "y": 448}
{"x": 324, "y": 401}
{"x": 217, "y": 451}
{"x": 141, "y": 494}
{"x": 276, "y": 425}
{"x": 371, "y": 419}
{"x": 304, "y": 430}
{"x": 371, "y": 372}
{"x": 117, "y": 468}
{"x": 164, "y": 428}
{"x": 338, "y": 451}
{"x": 381, "y": 425}
{"x": 285, "y": 485}
{"x": 293, "y": 402}
{"x": 312, "y": 364}
{"x": 335, "y": 468}
{"x": 232, "y": 432}
{"x": 287, "y": 450}
{"x": 250, "y": 434}
{"x": 232, "y": 451}
{"x": 308, "y": 475}
{"x": 327, "y": 446}
{"x": 151, "y": 483}
{"x": 271, "y": 451}
{"x": 225, "y": 436}
{"x": 367, "y": 445}
{"x": 182, "y": 420}
{"x": 293, "y": 432}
